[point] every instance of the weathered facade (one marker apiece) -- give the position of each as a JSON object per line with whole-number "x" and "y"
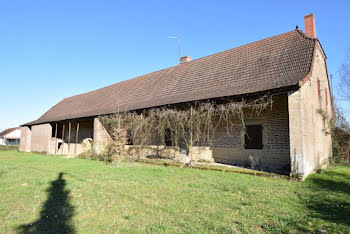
{"x": 67, "y": 139}
{"x": 274, "y": 155}
{"x": 293, "y": 136}
{"x": 310, "y": 110}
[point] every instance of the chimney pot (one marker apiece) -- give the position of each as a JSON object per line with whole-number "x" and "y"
{"x": 310, "y": 27}
{"x": 185, "y": 59}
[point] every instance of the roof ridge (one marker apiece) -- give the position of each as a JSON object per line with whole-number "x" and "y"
{"x": 272, "y": 62}
{"x": 183, "y": 64}
{"x": 238, "y": 47}
{"x": 305, "y": 35}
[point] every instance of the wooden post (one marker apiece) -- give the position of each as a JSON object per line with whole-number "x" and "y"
{"x": 64, "y": 125}
{"x": 191, "y": 136}
{"x": 56, "y": 140}
{"x": 76, "y": 139}
{"x": 69, "y": 129}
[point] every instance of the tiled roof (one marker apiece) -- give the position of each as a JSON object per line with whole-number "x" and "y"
{"x": 275, "y": 62}
{"x": 7, "y": 131}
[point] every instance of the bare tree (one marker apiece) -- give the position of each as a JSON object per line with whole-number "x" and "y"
{"x": 340, "y": 120}
{"x": 345, "y": 78}
{"x": 341, "y": 137}
{"x": 341, "y": 131}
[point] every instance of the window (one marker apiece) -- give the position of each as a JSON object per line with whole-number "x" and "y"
{"x": 12, "y": 141}
{"x": 129, "y": 137}
{"x": 253, "y": 137}
{"x": 326, "y": 95}
{"x": 168, "y": 137}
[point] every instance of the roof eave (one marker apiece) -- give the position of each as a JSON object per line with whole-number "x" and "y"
{"x": 280, "y": 90}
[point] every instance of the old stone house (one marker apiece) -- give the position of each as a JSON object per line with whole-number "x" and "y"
{"x": 293, "y": 136}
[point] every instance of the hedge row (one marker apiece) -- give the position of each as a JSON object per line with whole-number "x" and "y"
{"x": 9, "y": 147}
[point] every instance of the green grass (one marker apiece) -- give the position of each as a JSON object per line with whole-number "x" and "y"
{"x": 91, "y": 197}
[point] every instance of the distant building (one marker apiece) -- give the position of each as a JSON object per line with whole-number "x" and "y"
{"x": 10, "y": 136}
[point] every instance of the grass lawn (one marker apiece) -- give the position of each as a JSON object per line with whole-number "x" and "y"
{"x": 40, "y": 193}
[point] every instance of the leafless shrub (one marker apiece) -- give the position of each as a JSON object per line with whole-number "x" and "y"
{"x": 345, "y": 78}
{"x": 195, "y": 124}
{"x": 340, "y": 138}
{"x": 115, "y": 150}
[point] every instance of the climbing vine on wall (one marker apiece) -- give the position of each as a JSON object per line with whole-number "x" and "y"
{"x": 185, "y": 126}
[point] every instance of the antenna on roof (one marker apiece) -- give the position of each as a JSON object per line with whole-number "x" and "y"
{"x": 178, "y": 43}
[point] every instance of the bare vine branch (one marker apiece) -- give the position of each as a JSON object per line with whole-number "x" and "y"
{"x": 189, "y": 126}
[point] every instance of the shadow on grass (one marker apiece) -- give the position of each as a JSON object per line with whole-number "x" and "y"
{"x": 56, "y": 213}
{"x": 343, "y": 176}
{"x": 329, "y": 199}
{"x": 326, "y": 200}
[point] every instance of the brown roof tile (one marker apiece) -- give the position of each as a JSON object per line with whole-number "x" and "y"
{"x": 7, "y": 131}
{"x": 275, "y": 62}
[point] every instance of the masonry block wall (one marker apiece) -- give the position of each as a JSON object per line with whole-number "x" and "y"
{"x": 311, "y": 143}
{"x": 26, "y": 139}
{"x": 295, "y": 132}
{"x": 228, "y": 142}
{"x": 229, "y": 147}
{"x": 101, "y": 137}
{"x": 41, "y": 138}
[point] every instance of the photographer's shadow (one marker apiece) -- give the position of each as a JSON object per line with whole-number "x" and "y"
{"x": 56, "y": 213}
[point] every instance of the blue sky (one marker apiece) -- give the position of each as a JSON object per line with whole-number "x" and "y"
{"x": 50, "y": 50}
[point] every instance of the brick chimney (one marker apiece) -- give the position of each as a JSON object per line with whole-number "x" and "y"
{"x": 310, "y": 27}
{"x": 185, "y": 59}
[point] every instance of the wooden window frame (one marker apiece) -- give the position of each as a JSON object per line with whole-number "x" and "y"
{"x": 254, "y": 141}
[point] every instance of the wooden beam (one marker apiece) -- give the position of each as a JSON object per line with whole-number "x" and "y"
{"x": 64, "y": 125}
{"x": 56, "y": 140}
{"x": 76, "y": 139}
{"x": 69, "y": 130}
{"x": 191, "y": 135}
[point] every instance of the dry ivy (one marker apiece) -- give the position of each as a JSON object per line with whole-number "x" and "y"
{"x": 187, "y": 126}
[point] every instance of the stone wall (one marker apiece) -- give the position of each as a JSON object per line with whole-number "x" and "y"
{"x": 101, "y": 137}
{"x": 26, "y": 139}
{"x": 311, "y": 143}
{"x": 229, "y": 147}
{"x": 41, "y": 138}
{"x": 228, "y": 143}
